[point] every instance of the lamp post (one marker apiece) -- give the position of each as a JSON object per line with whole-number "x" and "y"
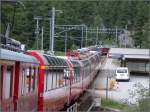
{"x": 82, "y": 38}
{"x": 96, "y": 35}
{"x": 52, "y": 22}
{"x": 37, "y": 18}
{"x": 53, "y": 28}
{"x": 86, "y": 36}
{"x": 42, "y": 38}
{"x": 65, "y": 42}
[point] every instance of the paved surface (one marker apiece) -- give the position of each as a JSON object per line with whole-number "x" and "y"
{"x": 123, "y": 93}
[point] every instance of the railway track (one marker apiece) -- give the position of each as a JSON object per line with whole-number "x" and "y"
{"x": 85, "y": 103}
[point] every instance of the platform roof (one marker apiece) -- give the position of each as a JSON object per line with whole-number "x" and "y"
{"x": 130, "y": 53}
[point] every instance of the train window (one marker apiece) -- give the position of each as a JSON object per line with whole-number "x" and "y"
{"x": 27, "y": 80}
{"x": 88, "y": 69}
{"x": 147, "y": 69}
{"x": 61, "y": 80}
{"x": 66, "y": 74}
{"x": 57, "y": 79}
{"x": 37, "y": 77}
{"x": 32, "y": 80}
{"x": 76, "y": 74}
{"x": 49, "y": 60}
{"x": 52, "y": 61}
{"x": 85, "y": 73}
{"x": 8, "y": 82}
{"x": 79, "y": 74}
{"x": 45, "y": 81}
{"x": 25, "y": 87}
{"x": 54, "y": 80}
{"x": 23, "y": 81}
{"x": 49, "y": 80}
{"x": 73, "y": 76}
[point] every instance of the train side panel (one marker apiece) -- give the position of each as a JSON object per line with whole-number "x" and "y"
{"x": 7, "y": 77}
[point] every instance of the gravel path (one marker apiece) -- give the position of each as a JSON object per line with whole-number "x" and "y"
{"x": 123, "y": 93}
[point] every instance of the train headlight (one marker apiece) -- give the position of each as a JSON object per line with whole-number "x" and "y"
{"x": 44, "y": 67}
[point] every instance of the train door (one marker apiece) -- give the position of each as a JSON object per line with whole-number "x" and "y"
{"x": 27, "y": 92}
{"x": 67, "y": 84}
{"x": 7, "y": 70}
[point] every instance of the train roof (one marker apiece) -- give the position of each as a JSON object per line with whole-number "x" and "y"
{"x": 49, "y": 60}
{"x": 55, "y": 61}
{"x": 85, "y": 62}
{"x": 75, "y": 63}
{"x": 15, "y": 56}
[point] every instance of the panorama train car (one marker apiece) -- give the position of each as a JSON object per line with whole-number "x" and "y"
{"x": 43, "y": 82}
{"x": 54, "y": 81}
{"x": 18, "y": 81}
{"x": 62, "y": 80}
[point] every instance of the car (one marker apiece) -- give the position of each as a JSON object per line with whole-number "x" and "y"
{"x": 122, "y": 73}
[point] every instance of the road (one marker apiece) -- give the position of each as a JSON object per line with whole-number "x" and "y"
{"x": 126, "y": 89}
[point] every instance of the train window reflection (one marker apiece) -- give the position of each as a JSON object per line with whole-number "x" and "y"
{"x": 23, "y": 81}
{"x": 27, "y": 79}
{"x": 49, "y": 80}
{"x": 8, "y": 82}
{"x": 61, "y": 80}
{"x": 33, "y": 73}
{"x": 54, "y": 80}
{"x": 57, "y": 78}
{"x": 45, "y": 81}
{"x": 66, "y": 74}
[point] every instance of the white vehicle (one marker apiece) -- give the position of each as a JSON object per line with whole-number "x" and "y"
{"x": 122, "y": 73}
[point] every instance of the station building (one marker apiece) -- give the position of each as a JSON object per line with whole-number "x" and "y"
{"x": 137, "y": 60}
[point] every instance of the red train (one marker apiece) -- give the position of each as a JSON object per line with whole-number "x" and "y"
{"x": 63, "y": 80}
{"x": 103, "y": 49}
{"x": 38, "y": 81}
{"x": 18, "y": 81}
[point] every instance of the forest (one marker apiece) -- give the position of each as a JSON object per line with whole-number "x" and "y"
{"x": 134, "y": 15}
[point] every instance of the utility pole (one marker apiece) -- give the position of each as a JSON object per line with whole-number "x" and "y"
{"x": 53, "y": 29}
{"x": 65, "y": 42}
{"x": 116, "y": 35}
{"x": 86, "y": 36}
{"x": 97, "y": 36}
{"x": 42, "y": 39}
{"x": 50, "y": 32}
{"x": 37, "y": 33}
{"x": 107, "y": 87}
{"x": 37, "y": 18}
{"x": 82, "y": 38}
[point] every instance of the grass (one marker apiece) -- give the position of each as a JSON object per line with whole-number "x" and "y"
{"x": 113, "y": 104}
{"x": 116, "y": 62}
{"x": 59, "y": 53}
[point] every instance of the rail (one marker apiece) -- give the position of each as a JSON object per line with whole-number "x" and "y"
{"x": 72, "y": 108}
